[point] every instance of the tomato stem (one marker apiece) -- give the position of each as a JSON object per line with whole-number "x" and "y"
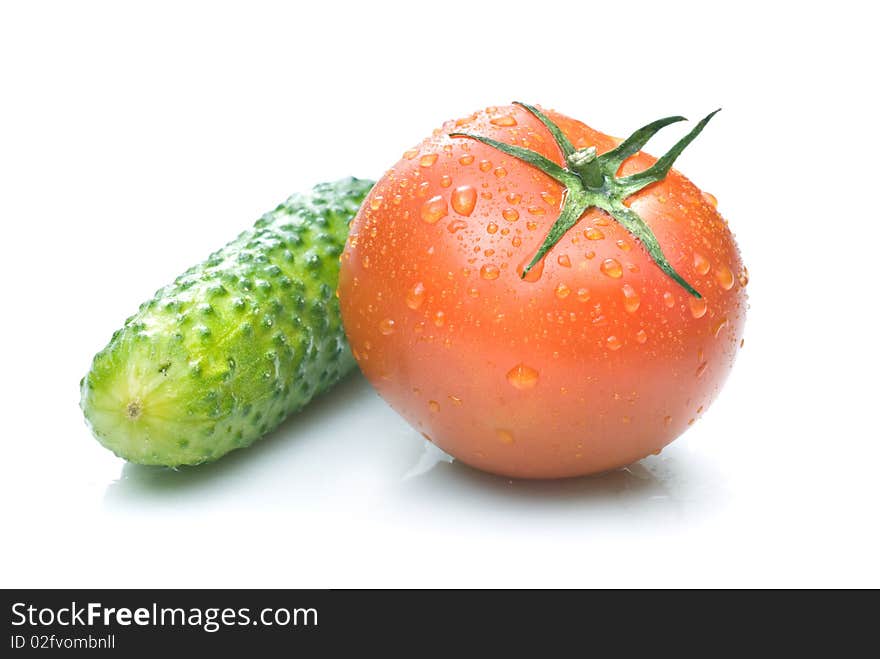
{"x": 585, "y": 164}
{"x": 591, "y": 181}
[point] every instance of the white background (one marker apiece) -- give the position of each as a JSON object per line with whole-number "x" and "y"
{"x": 137, "y": 137}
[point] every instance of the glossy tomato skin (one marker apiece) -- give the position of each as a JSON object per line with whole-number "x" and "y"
{"x": 594, "y": 361}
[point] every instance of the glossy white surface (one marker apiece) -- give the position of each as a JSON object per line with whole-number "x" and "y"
{"x": 132, "y": 142}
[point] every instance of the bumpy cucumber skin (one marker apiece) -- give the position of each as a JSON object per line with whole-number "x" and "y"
{"x": 237, "y": 343}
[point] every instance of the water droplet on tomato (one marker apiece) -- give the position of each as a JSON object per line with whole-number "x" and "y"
{"x": 510, "y": 214}
{"x": 522, "y": 377}
{"x": 668, "y": 300}
{"x": 439, "y": 319}
{"x": 445, "y": 181}
{"x": 409, "y": 154}
{"x": 562, "y": 291}
{"x": 516, "y": 241}
{"x": 415, "y": 296}
{"x": 613, "y": 343}
{"x": 724, "y": 277}
{"x": 534, "y": 274}
{"x": 489, "y": 272}
{"x": 720, "y": 325}
{"x": 500, "y": 172}
{"x": 641, "y": 336}
{"x": 548, "y": 198}
{"x": 667, "y": 420}
{"x": 505, "y": 120}
{"x": 376, "y": 202}
{"x": 456, "y": 225}
{"x": 563, "y": 260}
{"x": 583, "y": 294}
{"x": 701, "y": 264}
{"x": 386, "y": 327}
{"x": 485, "y": 165}
{"x": 428, "y": 159}
{"x": 612, "y": 268}
{"x": 593, "y": 234}
{"x": 513, "y": 198}
{"x": 702, "y": 368}
{"x": 536, "y": 210}
{"x": 504, "y": 436}
{"x": 434, "y": 406}
{"x": 491, "y": 227}
{"x": 744, "y": 277}
{"x": 631, "y": 300}
{"x": 710, "y": 199}
{"x": 698, "y": 307}
{"x": 464, "y": 198}
{"x": 434, "y": 209}
{"x": 623, "y": 245}
{"x": 466, "y": 160}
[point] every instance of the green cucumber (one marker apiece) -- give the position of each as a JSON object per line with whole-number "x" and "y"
{"x": 237, "y": 343}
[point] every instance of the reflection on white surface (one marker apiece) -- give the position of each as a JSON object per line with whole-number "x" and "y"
{"x": 348, "y": 451}
{"x": 431, "y": 456}
{"x": 656, "y": 489}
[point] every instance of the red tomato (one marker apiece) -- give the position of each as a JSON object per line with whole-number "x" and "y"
{"x": 594, "y": 360}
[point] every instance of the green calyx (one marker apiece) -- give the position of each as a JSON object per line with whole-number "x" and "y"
{"x": 591, "y": 180}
